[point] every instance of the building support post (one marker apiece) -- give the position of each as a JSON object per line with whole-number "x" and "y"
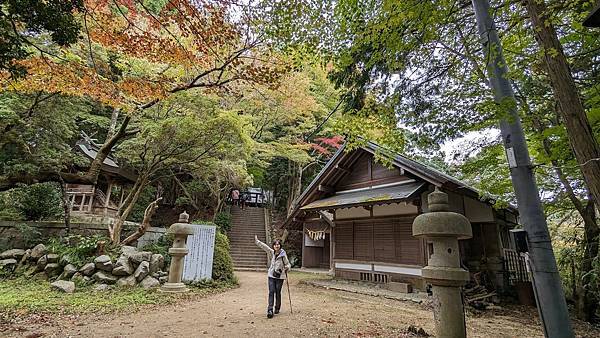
{"x": 82, "y": 205}
{"x": 108, "y": 193}
{"x": 551, "y": 301}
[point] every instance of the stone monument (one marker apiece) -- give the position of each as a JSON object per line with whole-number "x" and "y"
{"x": 181, "y": 231}
{"x": 442, "y": 229}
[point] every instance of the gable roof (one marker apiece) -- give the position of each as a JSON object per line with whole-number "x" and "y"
{"x": 424, "y": 172}
{"x": 90, "y": 149}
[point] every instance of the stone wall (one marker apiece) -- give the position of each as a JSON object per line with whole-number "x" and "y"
{"x": 151, "y": 235}
{"x": 131, "y": 268}
{"x": 11, "y": 236}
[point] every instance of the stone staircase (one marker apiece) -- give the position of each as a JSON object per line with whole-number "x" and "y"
{"x": 245, "y": 224}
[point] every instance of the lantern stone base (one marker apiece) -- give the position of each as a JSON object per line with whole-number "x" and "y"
{"x": 174, "y": 288}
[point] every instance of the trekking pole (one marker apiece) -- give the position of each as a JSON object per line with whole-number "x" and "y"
{"x": 287, "y": 281}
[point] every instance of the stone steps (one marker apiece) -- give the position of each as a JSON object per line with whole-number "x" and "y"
{"x": 245, "y": 224}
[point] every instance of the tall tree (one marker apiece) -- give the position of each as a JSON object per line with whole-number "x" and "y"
{"x": 179, "y": 134}
{"x": 581, "y": 136}
{"x": 134, "y": 55}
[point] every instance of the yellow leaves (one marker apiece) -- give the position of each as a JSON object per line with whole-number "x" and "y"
{"x": 74, "y": 79}
{"x": 129, "y": 55}
{"x": 67, "y": 78}
{"x": 141, "y": 90}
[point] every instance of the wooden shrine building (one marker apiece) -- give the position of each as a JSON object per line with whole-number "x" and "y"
{"x": 98, "y": 200}
{"x": 357, "y": 215}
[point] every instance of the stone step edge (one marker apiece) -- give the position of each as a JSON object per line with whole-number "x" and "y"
{"x": 249, "y": 269}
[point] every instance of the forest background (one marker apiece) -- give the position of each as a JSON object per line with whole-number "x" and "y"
{"x": 198, "y": 97}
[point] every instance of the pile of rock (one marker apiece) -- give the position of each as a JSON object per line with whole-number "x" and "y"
{"x": 36, "y": 260}
{"x": 132, "y": 268}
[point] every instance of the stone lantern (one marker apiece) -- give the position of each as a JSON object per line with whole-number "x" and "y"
{"x": 181, "y": 231}
{"x": 442, "y": 229}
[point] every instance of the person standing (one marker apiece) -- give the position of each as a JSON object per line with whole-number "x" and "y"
{"x": 278, "y": 269}
{"x": 235, "y": 196}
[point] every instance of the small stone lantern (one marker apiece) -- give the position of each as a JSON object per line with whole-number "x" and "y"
{"x": 443, "y": 229}
{"x": 181, "y": 230}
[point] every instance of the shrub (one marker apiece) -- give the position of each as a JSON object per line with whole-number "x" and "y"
{"x": 35, "y": 202}
{"x": 29, "y": 234}
{"x": 9, "y": 206}
{"x": 222, "y": 264}
{"x": 223, "y": 221}
{"x": 40, "y": 201}
{"x": 80, "y": 249}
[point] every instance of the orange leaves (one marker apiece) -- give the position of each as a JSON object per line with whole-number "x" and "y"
{"x": 130, "y": 54}
{"x": 142, "y": 90}
{"x": 192, "y": 33}
{"x": 71, "y": 79}
{"x": 48, "y": 76}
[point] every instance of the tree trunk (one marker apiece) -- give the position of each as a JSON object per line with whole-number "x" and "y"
{"x": 295, "y": 184}
{"x": 66, "y": 205}
{"x": 113, "y": 123}
{"x": 104, "y": 151}
{"x": 566, "y": 93}
{"x": 586, "y": 303}
{"x": 141, "y": 230}
{"x": 126, "y": 208}
{"x": 186, "y": 193}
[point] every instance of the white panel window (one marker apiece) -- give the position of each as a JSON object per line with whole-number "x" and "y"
{"x": 404, "y": 270}
{"x": 353, "y": 266}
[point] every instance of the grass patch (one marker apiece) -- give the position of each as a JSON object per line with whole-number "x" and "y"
{"x": 22, "y": 296}
{"x": 301, "y": 275}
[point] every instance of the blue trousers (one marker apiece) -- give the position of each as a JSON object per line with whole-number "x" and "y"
{"x": 275, "y": 285}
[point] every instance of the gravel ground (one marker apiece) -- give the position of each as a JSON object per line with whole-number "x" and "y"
{"x": 316, "y": 312}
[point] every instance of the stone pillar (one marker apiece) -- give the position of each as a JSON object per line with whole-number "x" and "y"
{"x": 181, "y": 231}
{"x": 443, "y": 272}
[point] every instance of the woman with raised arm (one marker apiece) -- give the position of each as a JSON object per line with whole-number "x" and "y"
{"x": 277, "y": 272}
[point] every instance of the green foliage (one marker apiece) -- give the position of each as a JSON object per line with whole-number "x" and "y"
{"x": 161, "y": 246}
{"x": 146, "y": 197}
{"x": 41, "y": 201}
{"x": 79, "y": 249}
{"x": 188, "y": 133}
{"x": 222, "y": 263}
{"x": 223, "y": 221}
{"x": 36, "y": 202}
{"x": 30, "y": 235}
{"x": 40, "y": 131}
{"x": 33, "y": 17}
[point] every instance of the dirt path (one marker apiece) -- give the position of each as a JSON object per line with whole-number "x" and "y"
{"x": 317, "y": 312}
